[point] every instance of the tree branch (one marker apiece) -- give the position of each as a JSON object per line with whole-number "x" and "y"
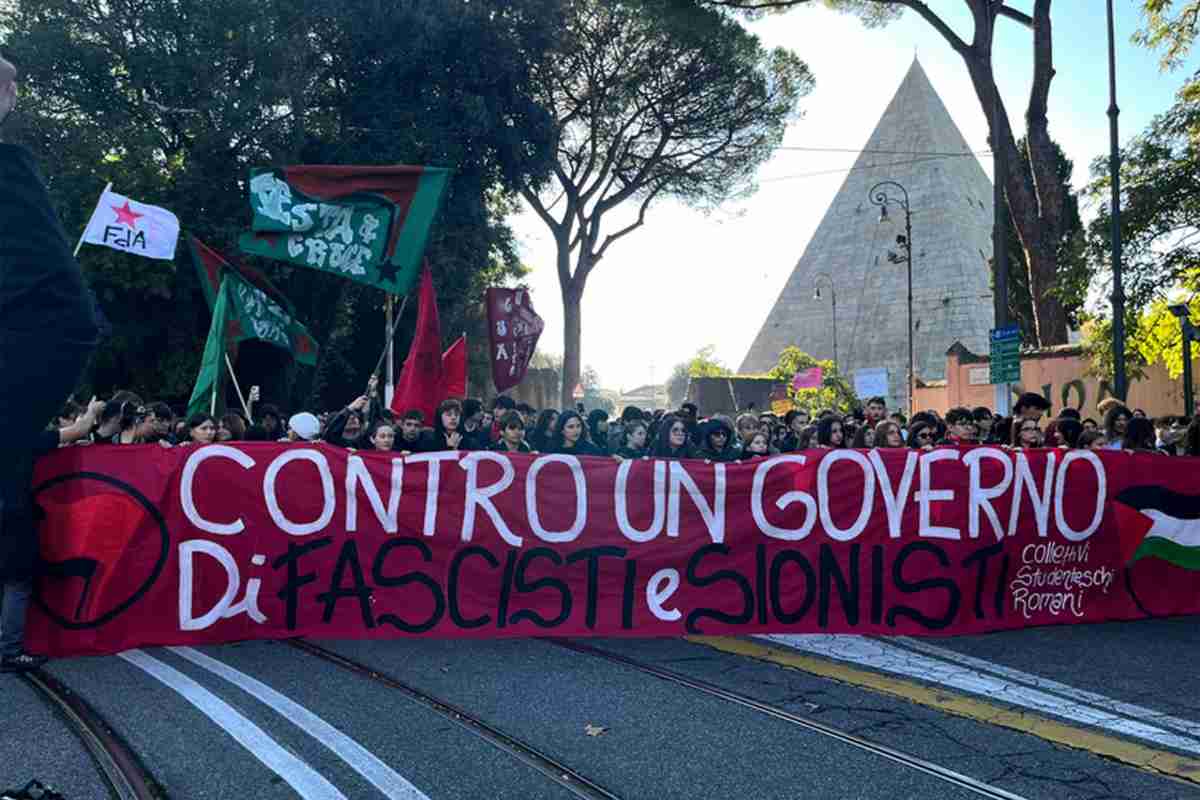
{"x": 1013, "y": 14}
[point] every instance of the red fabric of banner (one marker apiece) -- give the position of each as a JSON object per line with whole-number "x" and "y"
{"x": 220, "y": 543}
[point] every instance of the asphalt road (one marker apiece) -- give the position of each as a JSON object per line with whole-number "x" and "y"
{"x": 267, "y": 720}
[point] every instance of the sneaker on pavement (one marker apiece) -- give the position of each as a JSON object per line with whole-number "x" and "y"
{"x": 23, "y": 662}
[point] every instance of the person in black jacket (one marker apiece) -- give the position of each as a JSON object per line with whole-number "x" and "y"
{"x": 571, "y": 437}
{"x": 446, "y": 434}
{"x": 633, "y": 434}
{"x": 48, "y": 327}
{"x": 512, "y": 434}
{"x": 716, "y": 441}
{"x": 672, "y": 440}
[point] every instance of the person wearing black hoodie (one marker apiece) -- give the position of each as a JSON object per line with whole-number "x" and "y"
{"x": 597, "y": 422}
{"x": 570, "y": 437}
{"x": 48, "y": 327}
{"x": 446, "y": 434}
{"x": 672, "y": 440}
{"x": 716, "y": 441}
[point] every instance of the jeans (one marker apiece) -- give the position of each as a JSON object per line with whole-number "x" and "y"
{"x": 14, "y": 603}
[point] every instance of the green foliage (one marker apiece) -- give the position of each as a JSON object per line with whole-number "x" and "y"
{"x": 174, "y": 100}
{"x": 1153, "y": 336}
{"x": 836, "y": 392}
{"x": 705, "y": 365}
{"x": 1170, "y": 27}
{"x": 1160, "y": 227}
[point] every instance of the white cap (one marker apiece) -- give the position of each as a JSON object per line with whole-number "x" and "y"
{"x": 305, "y": 425}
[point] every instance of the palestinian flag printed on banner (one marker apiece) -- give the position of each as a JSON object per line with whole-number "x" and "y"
{"x": 367, "y": 224}
{"x": 1156, "y": 521}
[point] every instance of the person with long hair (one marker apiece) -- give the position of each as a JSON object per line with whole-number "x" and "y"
{"x": 570, "y": 437}
{"x": 597, "y": 422}
{"x": 1116, "y": 419}
{"x": 829, "y": 432}
{"x": 922, "y": 434}
{"x": 446, "y": 434}
{"x": 757, "y": 447}
{"x": 1139, "y": 436}
{"x": 1067, "y": 432}
{"x": 672, "y": 440}
{"x": 864, "y": 437}
{"x": 1191, "y": 439}
{"x": 888, "y": 435}
{"x": 231, "y": 428}
{"x": 543, "y": 430}
{"x": 201, "y": 429}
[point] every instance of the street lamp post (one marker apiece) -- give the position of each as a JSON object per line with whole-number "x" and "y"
{"x": 879, "y": 196}
{"x": 1120, "y": 385}
{"x": 833, "y": 299}
{"x": 1181, "y": 310}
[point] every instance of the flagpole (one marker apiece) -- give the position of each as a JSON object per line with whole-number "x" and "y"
{"x": 389, "y": 387}
{"x": 237, "y": 388}
{"x": 88, "y": 224}
{"x": 390, "y": 333}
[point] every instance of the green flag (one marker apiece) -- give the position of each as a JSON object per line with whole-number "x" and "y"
{"x": 208, "y": 382}
{"x": 367, "y": 224}
{"x": 258, "y": 299}
{"x": 242, "y": 311}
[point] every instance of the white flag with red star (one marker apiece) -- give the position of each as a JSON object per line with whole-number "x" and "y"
{"x": 123, "y": 224}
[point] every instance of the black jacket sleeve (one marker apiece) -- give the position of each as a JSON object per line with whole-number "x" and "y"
{"x": 40, "y": 282}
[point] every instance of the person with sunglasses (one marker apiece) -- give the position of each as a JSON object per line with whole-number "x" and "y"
{"x": 922, "y": 434}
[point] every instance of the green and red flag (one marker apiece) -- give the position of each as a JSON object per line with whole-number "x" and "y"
{"x": 368, "y": 224}
{"x": 242, "y": 311}
{"x": 211, "y": 267}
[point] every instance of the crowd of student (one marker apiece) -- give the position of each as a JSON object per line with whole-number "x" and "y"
{"x": 505, "y": 425}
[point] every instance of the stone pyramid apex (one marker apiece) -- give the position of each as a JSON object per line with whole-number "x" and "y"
{"x": 916, "y": 144}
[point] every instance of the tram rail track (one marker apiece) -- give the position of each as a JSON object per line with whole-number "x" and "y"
{"x": 565, "y": 776}
{"x": 119, "y": 767}
{"x": 896, "y": 756}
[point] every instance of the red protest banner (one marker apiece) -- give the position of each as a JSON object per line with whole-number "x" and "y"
{"x": 219, "y": 543}
{"x": 514, "y": 328}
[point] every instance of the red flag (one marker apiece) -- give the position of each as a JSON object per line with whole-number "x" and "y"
{"x": 513, "y": 328}
{"x": 420, "y": 383}
{"x": 454, "y": 369}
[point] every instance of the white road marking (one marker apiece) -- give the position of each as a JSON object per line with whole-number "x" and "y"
{"x": 307, "y": 782}
{"x": 1055, "y": 687}
{"x": 879, "y": 655}
{"x": 380, "y": 775}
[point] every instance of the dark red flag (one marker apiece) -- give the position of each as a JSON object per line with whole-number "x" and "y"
{"x": 514, "y": 328}
{"x": 421, "y": 383}
{"x": 454, "y": 369}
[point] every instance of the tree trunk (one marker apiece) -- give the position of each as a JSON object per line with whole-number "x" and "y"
{"x": 1035, "y": 205}
{"x": 1049, "y": 316}
{"x": 572, "y": 341}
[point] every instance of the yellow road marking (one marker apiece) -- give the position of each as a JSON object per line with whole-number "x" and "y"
{"x": 1128, "y": 752}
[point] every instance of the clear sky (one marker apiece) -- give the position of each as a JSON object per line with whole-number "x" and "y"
{"x": 687, "y": 279}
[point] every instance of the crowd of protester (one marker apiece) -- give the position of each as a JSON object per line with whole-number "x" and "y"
{"x": 504, "y": 425}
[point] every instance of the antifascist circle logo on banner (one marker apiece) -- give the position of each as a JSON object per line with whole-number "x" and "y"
{"x": 121, "y": 555}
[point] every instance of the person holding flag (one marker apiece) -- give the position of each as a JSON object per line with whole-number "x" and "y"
{"x": 48, "y": 328}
